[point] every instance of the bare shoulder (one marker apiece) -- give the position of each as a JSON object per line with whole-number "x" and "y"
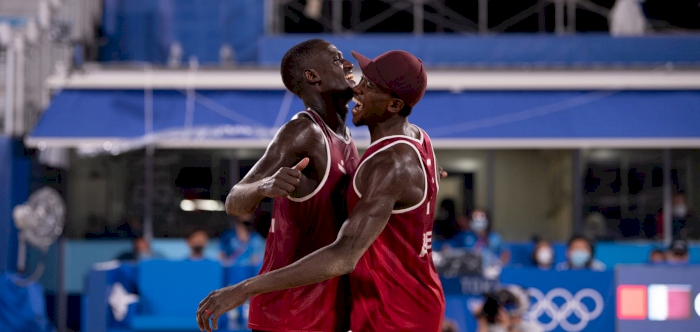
{"x": 398, "y": 165}
{"x": 299, "y": 133}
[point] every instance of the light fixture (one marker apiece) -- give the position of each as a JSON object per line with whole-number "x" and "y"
{"x": 202, "y": 205}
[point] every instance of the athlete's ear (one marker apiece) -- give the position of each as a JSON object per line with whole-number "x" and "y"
{"x": 311, "y": 76}
{"x": 395, "y": 105}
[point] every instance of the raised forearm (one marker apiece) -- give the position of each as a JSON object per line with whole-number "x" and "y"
{"x": 243, "y": 199}
{"x": 324, "y": 264}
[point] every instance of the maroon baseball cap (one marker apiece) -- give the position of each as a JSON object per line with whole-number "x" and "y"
{"x": 397, "y": 71}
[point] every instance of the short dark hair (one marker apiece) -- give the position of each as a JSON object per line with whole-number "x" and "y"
{"x": 295, "y": 61}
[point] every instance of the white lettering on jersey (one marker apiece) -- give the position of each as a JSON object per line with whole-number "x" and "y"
{"x": 427, "y": 243}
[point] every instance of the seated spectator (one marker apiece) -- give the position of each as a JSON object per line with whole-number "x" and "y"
{"x": 197, "y": 241}
{"x": 542, "y": 254}
{"x": 580, "y": 256}
{"x": 477, "y": 235}
{"x": 656, "y": 256}
{"x": 503, "y": 311}
{"x": 141, "y": 250}
{"x": 240, "y": 245}
{"x": 677, "y": 253}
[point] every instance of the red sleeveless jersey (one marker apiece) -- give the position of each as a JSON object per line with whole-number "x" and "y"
{"x": 395, "y": 286}
{"x": 299, "y": 227}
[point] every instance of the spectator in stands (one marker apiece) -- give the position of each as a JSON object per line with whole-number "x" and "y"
{"x": 477, "y": 236}
{"x": 240, "y": 245}
{"x": 542, "y": 254}
{"x": 677, "y": 253}
{"x": 503, "y": 312}
{"x": 141, "y": 250}
{"x": 449, "y": 325}
{"x": 657, "y": 256}
{"x": 684, "y": 223}
{"x": 580, "y": 256}
{"x": 197, "y": 241}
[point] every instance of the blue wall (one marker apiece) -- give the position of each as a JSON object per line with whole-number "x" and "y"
{"x": 15, "y": 175}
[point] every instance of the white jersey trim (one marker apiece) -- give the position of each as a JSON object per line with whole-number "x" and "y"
{"x": 437, "y": 174}
{"x": 325, "y": 175}
{"x": 425, "y": 174}
{"x": 419, "y": 140}
{"x": 341, "y": 138}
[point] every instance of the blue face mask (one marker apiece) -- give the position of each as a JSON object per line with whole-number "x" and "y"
{"x": 579, "y": 258}
{"x": 479, "y": 224}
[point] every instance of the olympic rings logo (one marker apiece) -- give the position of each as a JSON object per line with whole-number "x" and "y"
{"x": 544, "y": 305}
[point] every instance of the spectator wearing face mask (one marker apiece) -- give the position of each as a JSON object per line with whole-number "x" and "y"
{"x": 684, "y": 223}
{"x": 477, "y": 236}
{"x": 580, "y": 256}
{"x": 543, "y": 254}
{"x": 197, "y": 241}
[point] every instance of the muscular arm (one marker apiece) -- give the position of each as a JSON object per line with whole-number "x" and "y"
{"x": 390, "y": 179}
{"x": 393, "y": 177}
{"x": 297, "y": 139}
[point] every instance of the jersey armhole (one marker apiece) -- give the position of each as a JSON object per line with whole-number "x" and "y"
{"x": 425, "y": 176}
{"x": 328, "y": 166}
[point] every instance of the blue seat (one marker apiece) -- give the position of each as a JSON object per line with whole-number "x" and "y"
{"x": 170, "y": 292}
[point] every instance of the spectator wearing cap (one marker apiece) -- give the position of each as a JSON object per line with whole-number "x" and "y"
{"x": 677, "y": 253}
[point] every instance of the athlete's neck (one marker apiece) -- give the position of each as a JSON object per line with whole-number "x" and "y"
{"x": 332, "y": 110}
{"x": 396, "y": 125}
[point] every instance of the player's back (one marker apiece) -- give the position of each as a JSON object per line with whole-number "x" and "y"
{"x": 299, "y": 227}
{"x": 395, "y": 286}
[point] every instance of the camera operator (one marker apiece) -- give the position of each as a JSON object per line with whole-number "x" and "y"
{"x": 503, "y": 311}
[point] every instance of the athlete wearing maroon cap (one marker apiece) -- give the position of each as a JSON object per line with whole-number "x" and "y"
{"x": 385, "y": 244}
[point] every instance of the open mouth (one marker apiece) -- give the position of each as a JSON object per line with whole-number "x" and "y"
{"x": 357, "y": 110}
{"x": 351, "y": 79}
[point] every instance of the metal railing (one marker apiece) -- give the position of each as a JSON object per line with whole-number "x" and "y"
{"x": 440, "y": 15}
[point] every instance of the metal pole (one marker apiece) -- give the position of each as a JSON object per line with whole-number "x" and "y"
{"x": 624, "y": 185}
{"x": 269, "y": 17}
{"x": 62, "y": 303}
{"x": 577, "y": 190}
{"x": 541, "y": 17}
{"x": 148, "y": 194}
{"x": 689, "y": 186}
{"x": 571, "y": 16}
{"x": 490, "y": 182}
{"x": 337, "y": 16}
{"x": 418, "y": 17}
{"x": 483, "y": 16}
{"x": 668, "y": 222}
{"x": 559, "y": 16}
{"x": 150, "y": 151}
{"x": 9, "y": 91}
{"x": 19, "y": 83}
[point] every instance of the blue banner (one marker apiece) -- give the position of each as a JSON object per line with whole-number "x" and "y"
{"x": 568, "y": 301}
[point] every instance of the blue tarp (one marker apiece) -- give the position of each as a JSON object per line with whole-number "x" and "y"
{"x": 137, "y": 30}
{"x": 446, "y": 116}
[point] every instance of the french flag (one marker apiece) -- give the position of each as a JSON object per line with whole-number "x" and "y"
{"x": 669, "y": 302}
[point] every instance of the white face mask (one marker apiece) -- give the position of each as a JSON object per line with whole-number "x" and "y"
{"x": 479, "y": 223}
{"x": 544, "y": 256}
{"x": 680, "y": 211}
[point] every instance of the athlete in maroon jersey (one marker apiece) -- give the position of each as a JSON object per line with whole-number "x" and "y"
{"x": 309, "y": 199}
{"x": 385, "y": 244}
